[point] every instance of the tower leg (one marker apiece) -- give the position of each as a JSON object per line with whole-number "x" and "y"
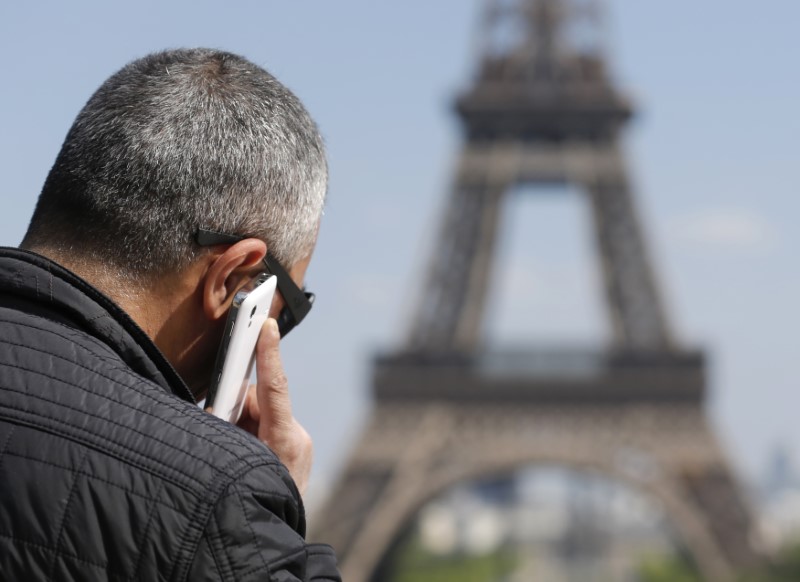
{"x": 450, "y": 314}
{"x": 635, "y": 308}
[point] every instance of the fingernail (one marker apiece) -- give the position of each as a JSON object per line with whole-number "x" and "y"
{"x": 273, "y": 326}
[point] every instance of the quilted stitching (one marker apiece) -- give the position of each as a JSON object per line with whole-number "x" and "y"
{"x": 122, "y": 457}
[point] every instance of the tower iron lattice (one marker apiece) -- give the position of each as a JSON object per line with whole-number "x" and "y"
{"x": 542, "y": 109}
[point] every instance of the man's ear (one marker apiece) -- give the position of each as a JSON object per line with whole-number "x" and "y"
{"x": 229, "y": 272}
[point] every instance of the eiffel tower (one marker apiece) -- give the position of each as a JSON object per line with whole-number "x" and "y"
{"x": 542, "y": 110}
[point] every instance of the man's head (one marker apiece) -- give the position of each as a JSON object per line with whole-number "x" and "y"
{"x": 172, "y": 143}
{"x": 176, "y": 141}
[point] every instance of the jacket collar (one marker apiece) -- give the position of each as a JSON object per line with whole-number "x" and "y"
{"x": 56, "y": 293}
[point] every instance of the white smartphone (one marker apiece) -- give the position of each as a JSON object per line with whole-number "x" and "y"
{"x": 236, "y": 354}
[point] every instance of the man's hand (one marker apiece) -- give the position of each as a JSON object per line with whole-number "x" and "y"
{"x": 267, "y": 411}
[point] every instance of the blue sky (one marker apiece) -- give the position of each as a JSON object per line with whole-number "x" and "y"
{"x": 714, "y": 154}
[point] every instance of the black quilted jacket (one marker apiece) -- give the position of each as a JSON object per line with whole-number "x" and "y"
{"x": 108, "y": 470}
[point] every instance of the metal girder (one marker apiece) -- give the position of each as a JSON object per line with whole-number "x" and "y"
{"x": 450, "y": 314}
{"x": 412, "y": 451}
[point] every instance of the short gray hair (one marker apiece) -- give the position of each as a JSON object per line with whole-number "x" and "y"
{"x": 178, "y": 140}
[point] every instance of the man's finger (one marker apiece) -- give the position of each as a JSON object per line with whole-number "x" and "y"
{"x": 273, "y": 389}
{"x": 251, "y": 415}
{"x": 276, "y": 425}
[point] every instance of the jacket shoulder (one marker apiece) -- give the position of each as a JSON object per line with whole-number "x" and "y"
{"x": 113, "y": 473}
{"x": 243, "y": 541}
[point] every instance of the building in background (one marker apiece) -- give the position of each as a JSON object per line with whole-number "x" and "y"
{"x": 450, "y": 409}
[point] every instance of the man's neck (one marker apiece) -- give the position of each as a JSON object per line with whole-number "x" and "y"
{"x": 168, "y": 311}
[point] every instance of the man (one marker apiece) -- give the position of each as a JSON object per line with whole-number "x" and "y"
{"x": 184, "y": 174}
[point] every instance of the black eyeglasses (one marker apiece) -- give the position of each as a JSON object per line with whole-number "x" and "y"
{"x": 298, "y": 301}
